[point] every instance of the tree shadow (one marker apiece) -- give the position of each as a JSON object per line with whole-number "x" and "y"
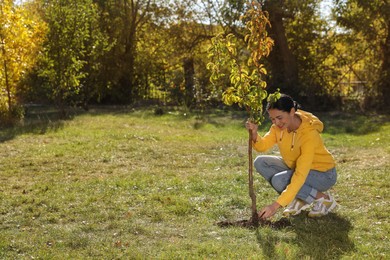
{"x": 355, "y": 124}
{"x": 248, "y": 223}
{"x": 322, "y": 238}
{"x": 39, "y": 121}
{"x": 346, "y": 123}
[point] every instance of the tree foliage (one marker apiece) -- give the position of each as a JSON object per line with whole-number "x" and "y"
{"x": 72, "y": 48}
{"x": 127, "y": 51}
{"x": 246, "y": 75}
{"x": 369, "y": 22}
{"x": 123, "y": 22}
{"x": 20, "y": 41}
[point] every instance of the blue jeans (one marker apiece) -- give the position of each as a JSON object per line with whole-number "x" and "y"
{"x": 277, "y": 173}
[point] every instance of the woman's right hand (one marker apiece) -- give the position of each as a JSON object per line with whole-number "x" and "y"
{"x": 252, "y": 128}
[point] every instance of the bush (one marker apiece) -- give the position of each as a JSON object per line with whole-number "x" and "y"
{"x": 10, "y": 117}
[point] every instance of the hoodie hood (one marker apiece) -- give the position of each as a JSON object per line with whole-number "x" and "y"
{"x": 309, "y": 122}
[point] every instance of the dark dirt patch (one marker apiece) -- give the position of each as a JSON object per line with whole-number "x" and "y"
{"x": 248, "y": 223}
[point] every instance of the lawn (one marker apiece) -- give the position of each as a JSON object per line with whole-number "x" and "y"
{"x": 123, "y": 183}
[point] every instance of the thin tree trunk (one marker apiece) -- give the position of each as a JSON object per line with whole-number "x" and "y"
{"x": 7, "y": 86}
{"x": 189, "y": 72}
{"x": 384, "y": 80}
{"x": 252, "y": 194}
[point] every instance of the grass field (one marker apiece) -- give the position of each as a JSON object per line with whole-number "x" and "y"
{"x": 127, "y": 184}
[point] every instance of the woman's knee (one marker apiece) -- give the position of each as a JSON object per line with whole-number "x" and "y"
{"x": 265, "y": 165}
{"x": 259, "y": 163}
{"x": 280, "y": 181}
{"x": 268, "y": 162}
{"x": 277, "y": 185}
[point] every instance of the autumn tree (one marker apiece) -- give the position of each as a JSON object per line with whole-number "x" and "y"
{"x": 284, "y": 65}
{"x": 246, "y": 73}
{"x": 122, "y": 22}
{"x": 158, "y": 62}
{"x": 70, "y": 52}
{"x": 171, "y": 47}
{"x": 370, "y": 19}
{"x": 190, "y": 33}
{"x": 311, "y": 37}
{"x": 129, "y": 50}
{"x": 20, "y": 40}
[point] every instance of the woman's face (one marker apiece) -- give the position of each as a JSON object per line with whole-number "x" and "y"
{"x": 281, "y": 118}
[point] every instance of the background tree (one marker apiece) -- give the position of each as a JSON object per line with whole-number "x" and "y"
{"x": 95, "y": 46}
{"x": 171, "y": 51}
{"x": 371, "y": 19}
{"x": 154, "y": 47}
{"x": 227, "y": 14}
{"x": 190, "y": 33}
{"x": 73, "y": 43}
{"x": 20, "y": 39}
{"x": 122, "y": 22}
{"x": 132, "y": 51}
{"x": 283, "y": 63}
{"x": 311, "y": 39}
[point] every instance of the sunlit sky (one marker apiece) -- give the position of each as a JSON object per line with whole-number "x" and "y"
{"x": 326, "y": 7}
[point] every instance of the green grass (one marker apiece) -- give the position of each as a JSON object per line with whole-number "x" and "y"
{"x": 126, "y": 184}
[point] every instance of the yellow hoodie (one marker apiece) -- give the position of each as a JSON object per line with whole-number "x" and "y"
{"x": 301, "y": 150}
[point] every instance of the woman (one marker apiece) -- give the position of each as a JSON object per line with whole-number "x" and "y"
{"x": 305, "y": 170}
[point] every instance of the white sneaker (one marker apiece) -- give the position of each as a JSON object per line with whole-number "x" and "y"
{"x": 322, "y": 207}
{"x": 295, "y": 207}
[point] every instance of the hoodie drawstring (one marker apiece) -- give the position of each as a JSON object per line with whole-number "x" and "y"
{"x": 293, "y": 139}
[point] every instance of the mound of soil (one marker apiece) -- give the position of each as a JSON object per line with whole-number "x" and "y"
{"x": 279, "y": 224}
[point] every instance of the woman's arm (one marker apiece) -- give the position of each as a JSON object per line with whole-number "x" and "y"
{"x": 261, "y": 144}
{"x": 269, "y": 210}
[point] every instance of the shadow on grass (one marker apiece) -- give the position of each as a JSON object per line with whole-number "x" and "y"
{"x": 334, "y": 122}
{"x": 356, "y": 124}
{"x": 323, "y": 238}
{"x": 40, "y": 120}
{"x": 37, "y": 122}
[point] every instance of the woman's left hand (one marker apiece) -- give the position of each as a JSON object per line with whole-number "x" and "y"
{"x": 269, "y": 211}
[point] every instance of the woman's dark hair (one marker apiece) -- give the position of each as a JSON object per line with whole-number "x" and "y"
{"x": 284, "y": 103}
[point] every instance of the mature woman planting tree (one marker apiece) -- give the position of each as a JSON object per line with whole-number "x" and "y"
{"x": 305, "y": 171}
